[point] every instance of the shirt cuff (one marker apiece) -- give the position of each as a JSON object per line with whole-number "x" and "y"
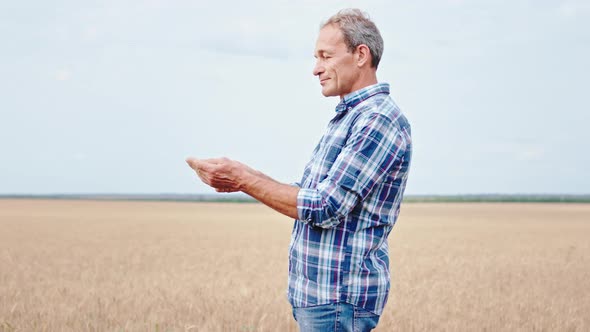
{"x": 309, "y": 201}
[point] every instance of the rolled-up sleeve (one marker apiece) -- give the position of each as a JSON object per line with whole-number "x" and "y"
{"x": 367, "y": 157}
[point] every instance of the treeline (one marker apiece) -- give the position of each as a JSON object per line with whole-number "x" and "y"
{"x": 500, "y": 198}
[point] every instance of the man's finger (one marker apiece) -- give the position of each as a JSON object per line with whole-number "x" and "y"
{"x": 199, "y": 164}
{"x": 215, "y": 161}
{"x": 192, "y": 162}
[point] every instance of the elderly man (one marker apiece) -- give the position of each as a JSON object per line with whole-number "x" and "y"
{"x": 349, "y": 196}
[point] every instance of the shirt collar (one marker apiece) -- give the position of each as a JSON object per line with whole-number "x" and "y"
{"x": 354, "y": 98}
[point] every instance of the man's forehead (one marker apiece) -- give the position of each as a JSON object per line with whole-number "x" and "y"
{"x": 331, "y": 32}
{"x": 329, "y": 38}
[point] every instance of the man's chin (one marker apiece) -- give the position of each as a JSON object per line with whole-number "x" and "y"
{"x": 328, "y": 93}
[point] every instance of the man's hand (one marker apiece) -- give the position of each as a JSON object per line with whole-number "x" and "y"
{"x": 223, "y": 174}
{"x": 228, "y": 176}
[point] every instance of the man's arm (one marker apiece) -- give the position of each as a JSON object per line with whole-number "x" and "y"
{"x": 278, "y": 196}
{"x": 373, "y": 149}
{"x": 227, "y": 175}
{"x": 370, "y": 154}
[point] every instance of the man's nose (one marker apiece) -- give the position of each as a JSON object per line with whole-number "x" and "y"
{"x": 318, "y": 69}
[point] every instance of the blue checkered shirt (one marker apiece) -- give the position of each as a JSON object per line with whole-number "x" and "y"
{"x": 349, "y": 200}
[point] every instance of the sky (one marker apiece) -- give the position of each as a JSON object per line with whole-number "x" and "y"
{"x": 112, "y": 96}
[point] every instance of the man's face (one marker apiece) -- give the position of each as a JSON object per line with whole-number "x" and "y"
{"x": 335, "y": 65}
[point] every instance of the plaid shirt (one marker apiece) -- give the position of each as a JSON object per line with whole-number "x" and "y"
{"x": 349, "y": 200}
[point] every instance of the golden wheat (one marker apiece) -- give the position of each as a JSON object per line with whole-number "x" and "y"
{"x": 150, "y": 266}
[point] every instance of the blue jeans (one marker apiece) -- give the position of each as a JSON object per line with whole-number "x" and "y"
{"x": 335, "y": 317}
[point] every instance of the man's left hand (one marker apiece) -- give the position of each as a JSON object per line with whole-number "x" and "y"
{"x": 222, "y": 174}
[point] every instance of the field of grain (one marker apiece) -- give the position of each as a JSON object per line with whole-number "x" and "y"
{"x": 162, "y": 266}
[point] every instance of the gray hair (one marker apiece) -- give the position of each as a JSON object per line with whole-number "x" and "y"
{"x": 358, "y": 29}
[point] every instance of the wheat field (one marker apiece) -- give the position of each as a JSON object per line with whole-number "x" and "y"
{"x": 68, "y": 265}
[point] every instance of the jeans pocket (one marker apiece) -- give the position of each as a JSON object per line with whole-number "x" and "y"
{"x": 364, "y": 320}
{"x": 360, "y": 312}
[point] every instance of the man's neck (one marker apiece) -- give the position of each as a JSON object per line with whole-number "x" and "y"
{"x": 364, "y": 81}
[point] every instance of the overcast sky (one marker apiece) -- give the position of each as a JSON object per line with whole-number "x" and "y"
{"x": 112, "y": 96}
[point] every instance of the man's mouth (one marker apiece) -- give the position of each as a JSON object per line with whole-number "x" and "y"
{"x": 323, "y": 81}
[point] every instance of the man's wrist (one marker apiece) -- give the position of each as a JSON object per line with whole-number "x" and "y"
{"x": 248, "y": 180}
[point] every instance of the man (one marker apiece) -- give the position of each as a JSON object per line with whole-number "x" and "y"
{"x": 349, "y": 196}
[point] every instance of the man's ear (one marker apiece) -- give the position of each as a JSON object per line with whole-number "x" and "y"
{"x": 363, "y": 55}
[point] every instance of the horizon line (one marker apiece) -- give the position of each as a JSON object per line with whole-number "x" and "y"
{"x": 243, "y": 194}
